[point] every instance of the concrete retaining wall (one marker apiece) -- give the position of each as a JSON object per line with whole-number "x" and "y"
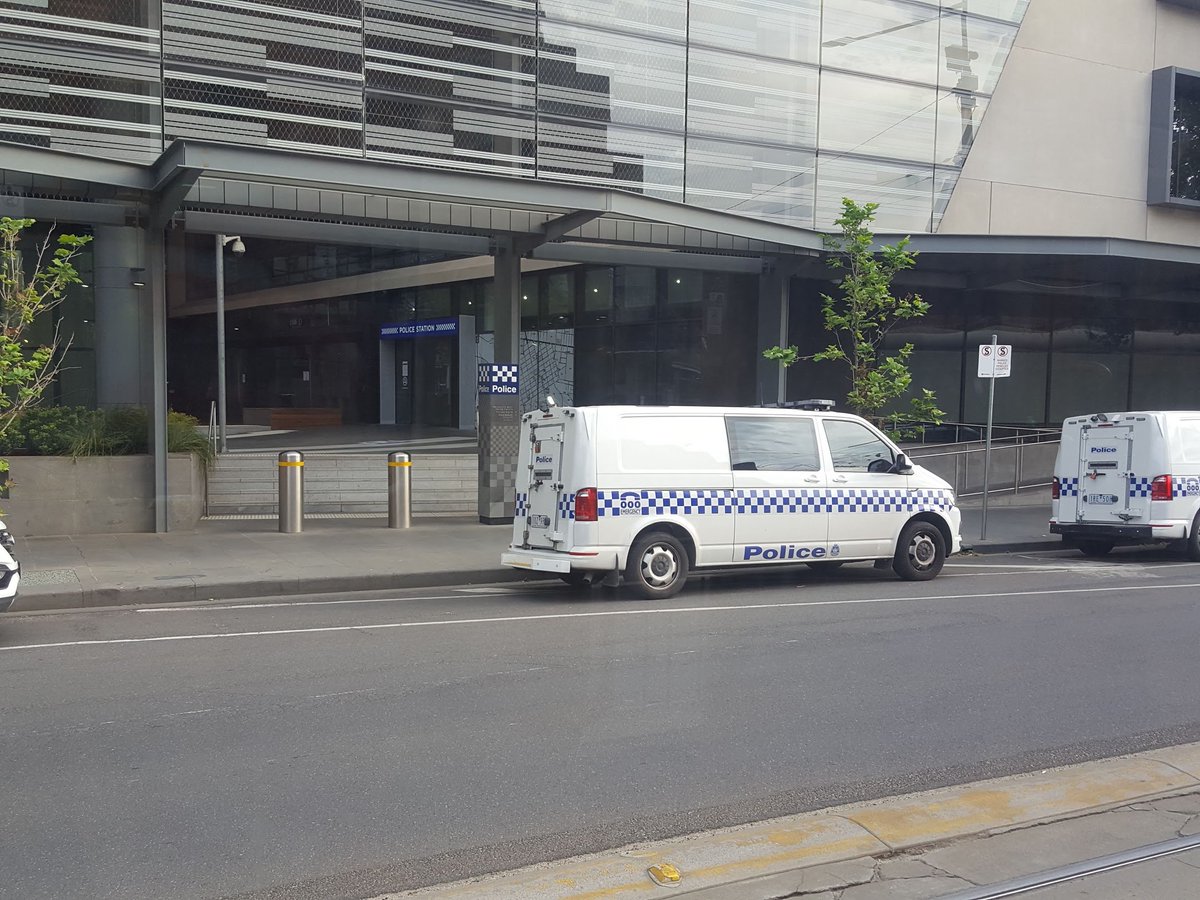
{"x": 57, "y": 495}
{"x": 248, "y": 484}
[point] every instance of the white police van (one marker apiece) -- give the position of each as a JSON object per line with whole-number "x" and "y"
{"x": 1128, "y": 478}
{"x": 651, "y": 493}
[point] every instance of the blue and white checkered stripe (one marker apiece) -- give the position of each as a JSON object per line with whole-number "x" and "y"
{"x": 1068, "y": 486}
{"x": 683, "y": 502}
{"x": 566, "y": 507}
{"x": 767, "y": 501}
{"x": 1181, "y": 486}
{"x": 1139, "y": 487}
{"x": 522, "y": 505}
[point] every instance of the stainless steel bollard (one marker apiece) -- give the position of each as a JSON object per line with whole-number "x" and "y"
{"x": 399, "y": 490}
{"x": 291, "y": 492}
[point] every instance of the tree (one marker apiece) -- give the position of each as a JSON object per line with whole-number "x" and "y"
{"x": 27, "y": 294}
{"x": 861, "y": 318}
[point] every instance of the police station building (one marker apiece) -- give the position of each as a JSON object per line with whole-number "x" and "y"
{"x": 609, "y": 201}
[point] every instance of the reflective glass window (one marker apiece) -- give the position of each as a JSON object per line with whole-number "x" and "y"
{"x": 758, "y": 444}
{"x": 881, "y": 37}
{"x": 870, "y": 117}
{"x": 560, "y": 300}
{"x": 661, "y": 18}
{"x": 769, "y": 182}
{"x": 1023, "y": 321}
{"x": 1008, "y": 10}
{"x": 1185, "y": 147}
{"x": 597, "y": 295}
{"x": 972, "y": 52}
{"x": 612, "y": 78}
{"x": 636, "y": 293}
{"x": 1166, "y": 357}
{"x": 759, "y": 101}
{"x": 904, "y": 192}
{"x": 958, "y": 119}
{"x": 853, "y": 446}
{"x": 786, "y": 29}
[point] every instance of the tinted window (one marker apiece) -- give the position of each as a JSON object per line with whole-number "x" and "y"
{"x": 854, "y": 447}
{"x": 773, "y": 445}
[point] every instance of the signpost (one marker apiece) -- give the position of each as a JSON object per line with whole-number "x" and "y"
{"x": 995, "y": 361}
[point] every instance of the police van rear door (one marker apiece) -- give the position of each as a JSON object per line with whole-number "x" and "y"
{"x": 545, "y": 521}
{"x": 1105, "y": 463}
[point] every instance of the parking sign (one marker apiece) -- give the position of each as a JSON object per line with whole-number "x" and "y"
{"x": 998, "y": 366}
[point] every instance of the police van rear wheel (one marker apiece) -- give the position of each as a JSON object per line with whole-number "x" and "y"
{"x": 920, "y": 552}
{"x": 658, "y": 566}
{"x": 1193, "y": 540}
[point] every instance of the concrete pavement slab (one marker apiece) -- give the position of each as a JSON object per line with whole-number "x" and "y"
{"x": 1016, "y": 853}
{"x": 956, "y": 812}
{"x": 1165, "y": 879}
{"x": 905, "y": 889}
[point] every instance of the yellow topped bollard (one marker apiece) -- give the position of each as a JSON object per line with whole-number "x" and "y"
{"x": 291, "y": 492}
{"x": 399, "y": 490}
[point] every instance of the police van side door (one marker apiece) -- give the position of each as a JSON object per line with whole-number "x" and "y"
{"x": 778, "y": 489}
{"x": 869, "y": 504}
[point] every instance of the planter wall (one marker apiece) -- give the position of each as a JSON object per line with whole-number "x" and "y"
{"x": 55, "y": 495}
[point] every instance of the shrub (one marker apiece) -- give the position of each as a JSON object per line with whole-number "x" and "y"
{"x": 77, "y": 431}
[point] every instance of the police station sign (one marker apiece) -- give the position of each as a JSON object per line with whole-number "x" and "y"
{"x": 418, "y": 329}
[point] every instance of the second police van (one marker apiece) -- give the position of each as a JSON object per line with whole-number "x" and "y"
{"x": 1128, "y": 478}
{"x": 650, "y": 494}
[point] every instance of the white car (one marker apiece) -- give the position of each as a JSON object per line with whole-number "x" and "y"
{"x": 10, "y": 569}
{"x": 648, "y": 494}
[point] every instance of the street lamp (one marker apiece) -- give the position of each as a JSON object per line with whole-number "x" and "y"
{"x": 235, "y": 244}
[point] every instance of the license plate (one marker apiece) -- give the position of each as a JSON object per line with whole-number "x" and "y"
{"x": 539, "y": 521}
{"x": 1100, "y": 498}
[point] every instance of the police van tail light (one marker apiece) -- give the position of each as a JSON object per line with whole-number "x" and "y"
{"x": 1160, "y": 488}
{"x": 585, "y": 505}
{"x": 1055, "y": 489}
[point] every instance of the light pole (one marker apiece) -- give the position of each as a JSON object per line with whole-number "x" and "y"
{"x": 238, "y": 249}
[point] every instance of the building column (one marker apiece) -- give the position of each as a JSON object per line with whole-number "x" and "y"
{"x": 499, "y": 395}
{"x": 117, "y": 264}
{"x": 774, "y": 293}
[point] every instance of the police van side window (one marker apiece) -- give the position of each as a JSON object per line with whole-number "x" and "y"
{"x": 762, "y": 444}
{"x": 855, "y": 448}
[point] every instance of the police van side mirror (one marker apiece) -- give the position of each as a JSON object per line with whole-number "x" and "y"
{"x": 902, "y": 466}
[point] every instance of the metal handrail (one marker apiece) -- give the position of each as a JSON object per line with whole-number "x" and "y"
{"x": 212, "y": 425}
{"x": 962, "y": 459}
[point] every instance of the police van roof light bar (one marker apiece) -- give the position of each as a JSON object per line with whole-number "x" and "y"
{"x": 810, "y": 405}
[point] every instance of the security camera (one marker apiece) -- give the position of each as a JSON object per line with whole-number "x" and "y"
{"x": 237, "y": 247}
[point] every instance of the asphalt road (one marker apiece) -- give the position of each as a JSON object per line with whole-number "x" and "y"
{"x": 343, "y": 749}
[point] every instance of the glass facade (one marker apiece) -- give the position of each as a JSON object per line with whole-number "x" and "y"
{"x": 768, "y": 108}
{"x": 589, "y": 334}
{"x": 1071, "y": 354}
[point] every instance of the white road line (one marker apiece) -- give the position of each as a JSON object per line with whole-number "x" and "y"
{"x": 1072, "y": 567}
{"x": 594, "y": 615}
{"x": 177, "y": 609}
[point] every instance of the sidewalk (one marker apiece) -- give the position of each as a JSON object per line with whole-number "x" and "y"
{"x": 224, "y": 560}
{"x": 1111, "y": 829}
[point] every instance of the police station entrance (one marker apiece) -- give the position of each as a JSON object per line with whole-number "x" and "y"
{"x": 427, "y": 373}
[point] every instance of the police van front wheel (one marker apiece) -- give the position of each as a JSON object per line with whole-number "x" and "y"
{"x": 657, "y": 567}
{"x": 920, "y": 552}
